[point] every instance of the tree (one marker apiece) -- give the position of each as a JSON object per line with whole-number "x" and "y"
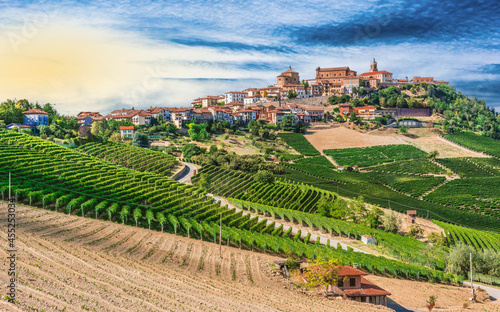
{"x": 288, "y": 122}
{"x": 354, "y": 90}
{"x": 137, "y": 215}
{"x": 291, "y": 94}
{"x": 190, "y": 150}
{"x": 403, "y": 129}
{"x": 432, "y": 155}
{"x": 149, "y": 216}
{"x": 436, "y": 238}
{"x": 140, "y": 140}
{"x": 160, "y": 217}
{"x": 306, "y": 84}
{"x": 264, "y": 176}
{"x": 204, "y": 181}
{"x": 459, "y": 259}
{"x": 198, "y": 132}
{"x": 391, "y": 222}
{"x": 323, "y": 273}
{"x": 415, "y": 231}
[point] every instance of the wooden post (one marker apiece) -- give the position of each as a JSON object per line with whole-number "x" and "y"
{"x": 220, "y": 236}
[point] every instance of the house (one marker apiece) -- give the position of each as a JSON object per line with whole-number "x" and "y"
{"x": 353, "y": 286}
{"x": 235, "y": 96}
{"x": 365, "y": 111}
{"x": 352, "y": 82}
{"x": 202, "y": 115}
{"x": 428, "y": 80}
{"x": 179, "y": 116}
{"x": 35, "y": 117}
{"x": 249, "y": 100}
{"x": 85, "y": 121}
{"x": 16, "y": 125}
{"x": 122, "y": 114}
{"x": 234, "y": 106}
{"x": 381, "y": 75}
{"x": 345, "y": 109}
{"x": 141, "y": 118}
{"x": 278, "y": 114}
{"x": 209, "y": 100}
{"x": 368, "y": 240}
{"x": 411, "y": 216}
{"x": 223, "y": 114}
{"x": 313, "y": 115}
{"x": 247, "y": 114}
{"x": 87, "y": 118}
{"x": 158, "y": 112}
{"x": 127, "y": 131}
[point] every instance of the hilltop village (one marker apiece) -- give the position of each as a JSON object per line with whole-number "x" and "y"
{"x": 269, "y": 104}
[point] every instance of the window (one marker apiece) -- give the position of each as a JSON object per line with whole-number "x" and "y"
{"x": 352, "y": 282}
{"x": 340, "y": 283}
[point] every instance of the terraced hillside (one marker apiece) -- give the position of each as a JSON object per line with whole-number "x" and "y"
{"x": 57, "y": 178}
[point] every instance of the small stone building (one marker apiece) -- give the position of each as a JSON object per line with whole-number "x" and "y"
{"x": 411, "y": 216}
{"x": 368, "y": 240}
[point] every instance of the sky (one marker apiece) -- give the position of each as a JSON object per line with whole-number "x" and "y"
{"x": 104, "y": 55}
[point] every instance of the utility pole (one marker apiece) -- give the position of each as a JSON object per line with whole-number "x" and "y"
{"x": 220, "y": 236}
{"x": 471, "y": 281}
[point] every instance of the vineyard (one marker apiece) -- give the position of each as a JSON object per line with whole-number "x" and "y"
{"x": 409, "y": 184}
{"x": 299, "y": 143}
{"x": 472, "y": 167}
{"x": 480, "y": 195}
{"x": 53, "y": 177}
{"x": 132, "y": 157}
{"x": 480, "y": 240}
{"x": 353, "y": 184}
{"x": 397, "y": 246}
{"x": 476, "y": 142}
{"x": 368, "y": 156}
{"x": 412, "y": 166}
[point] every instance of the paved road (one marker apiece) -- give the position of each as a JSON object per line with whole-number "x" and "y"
{"x": 323, "y": 240}
{"x": 186, "y": 177}
{"x": 492, "y": 291}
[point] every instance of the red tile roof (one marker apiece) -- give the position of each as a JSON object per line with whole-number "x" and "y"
{"x": 127, "y": 128}
{"x": 367, "y": 289}
{"x": 35, "y": 111}
{"x": 375, "y": 73}
{"x": 334, "y": 68}
{"x": 350, "y": 271}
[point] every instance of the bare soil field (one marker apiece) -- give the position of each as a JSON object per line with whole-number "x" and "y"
{"x": 445, "y": 148}
{"x": 413, "y": 295}
{"x": 69, "y": 263}
{"x": 342, "y": 137}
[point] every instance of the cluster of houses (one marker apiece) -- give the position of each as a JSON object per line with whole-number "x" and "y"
{"x": 328, "y": 81}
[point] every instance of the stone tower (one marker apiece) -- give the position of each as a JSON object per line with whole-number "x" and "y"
{"x": 373, "y": 66}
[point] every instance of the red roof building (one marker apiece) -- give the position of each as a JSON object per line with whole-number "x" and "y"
{"x": 35, "y": 112}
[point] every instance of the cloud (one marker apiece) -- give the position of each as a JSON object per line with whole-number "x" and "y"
{"x": 110, "y": 54}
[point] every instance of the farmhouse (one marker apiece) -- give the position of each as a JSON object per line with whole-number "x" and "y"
{"x": 352, "y": 285}
{"x": 127, "y": 131}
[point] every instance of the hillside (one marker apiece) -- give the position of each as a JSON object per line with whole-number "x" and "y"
{"x": 74, "y": 263}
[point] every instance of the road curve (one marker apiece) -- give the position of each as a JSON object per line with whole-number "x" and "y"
{"x": 186, "y": 177}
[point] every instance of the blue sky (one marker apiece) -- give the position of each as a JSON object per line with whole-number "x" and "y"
{"x": 103, "y": 55}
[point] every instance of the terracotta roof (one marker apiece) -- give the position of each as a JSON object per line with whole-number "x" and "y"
{"x": 238, "y": 92}
{"x": 35, "y": 111}
{"x": 334, "y": 68}
{"x": 367, "y": 289}
{"x": 375, "y": 73}
{"x": 234, "y": 104}
{"x": 127, "y": 128}
{"x": 350, "y": 271}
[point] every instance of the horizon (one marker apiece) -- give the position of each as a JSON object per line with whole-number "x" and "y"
{"x": 104, "y": 56}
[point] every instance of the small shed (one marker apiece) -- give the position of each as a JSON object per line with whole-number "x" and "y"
{"x": 368, "y": 240}
{"x": 411, "y": 216}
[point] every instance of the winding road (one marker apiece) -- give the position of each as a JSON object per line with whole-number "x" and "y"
{"x": 186, "y": 178}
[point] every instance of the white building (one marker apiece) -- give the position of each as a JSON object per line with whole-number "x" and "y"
{"x": 249, "y": 100}
{"x": 142, "y": 118}
{"x": 235, "y": 96}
